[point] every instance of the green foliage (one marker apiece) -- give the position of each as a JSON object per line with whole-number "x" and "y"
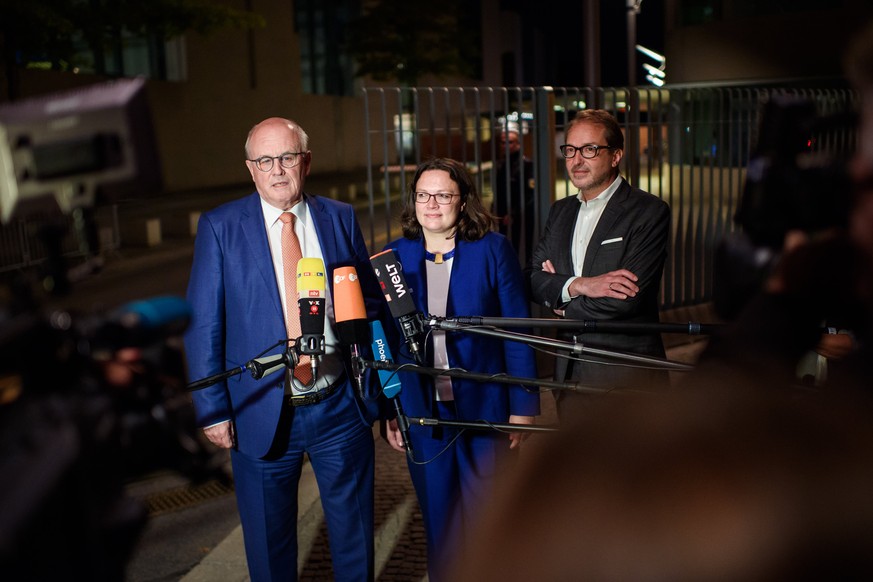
{"x": 403, "y": 40}
{"x": 47, "y": 30}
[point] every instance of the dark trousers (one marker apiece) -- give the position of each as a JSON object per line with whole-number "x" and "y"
{"x": 341, "y": 450}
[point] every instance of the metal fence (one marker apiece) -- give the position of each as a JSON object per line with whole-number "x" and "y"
{"x": 28, "y": 242}
{"x": 689, "y": 146}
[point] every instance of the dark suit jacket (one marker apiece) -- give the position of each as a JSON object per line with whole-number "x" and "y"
{"x": 237, "y": 311}
{"x": 632, "y": 234}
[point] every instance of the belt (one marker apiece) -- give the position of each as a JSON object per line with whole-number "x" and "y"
{"x": 313, "y": 397}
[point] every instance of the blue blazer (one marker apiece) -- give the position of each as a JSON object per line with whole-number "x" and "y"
{"x": 237, "y": 312}
{"x": 486, "y": 280}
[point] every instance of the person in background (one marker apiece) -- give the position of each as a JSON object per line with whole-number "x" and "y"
{"x": 245, "y": 261}
{"x": 601, "y": 257}
{"x": 514, "y": 192}
{"x": 456, "y": 266}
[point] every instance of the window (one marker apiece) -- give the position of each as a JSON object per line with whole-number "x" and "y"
{"x": 320, "y": 25}
{"x": 128, "y": 55}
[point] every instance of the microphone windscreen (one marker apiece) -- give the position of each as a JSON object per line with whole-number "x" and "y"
{"x": 310, "y": 278}
{"x": 348, "y": 300}
{"x": 389, "y": 272}
{"x": 165, "y": 311}
{"x": 141, "y": 323}
{"x": 310, "y": 288}
{"x": 349, "y": 308}
{"x": 389, "y": 380}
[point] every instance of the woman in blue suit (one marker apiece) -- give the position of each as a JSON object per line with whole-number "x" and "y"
{"x": 456, "y": 266}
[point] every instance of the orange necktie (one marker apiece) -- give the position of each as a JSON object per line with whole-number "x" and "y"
{"x": 291, "y": 253}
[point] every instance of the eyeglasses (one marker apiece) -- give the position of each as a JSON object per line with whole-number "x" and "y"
{"x": 588, "y": 151}
{"x": 442, "y": 198}
{"x": 287, "y": 160}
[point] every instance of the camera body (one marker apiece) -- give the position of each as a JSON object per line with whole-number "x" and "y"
{"x": 793, "y": 182}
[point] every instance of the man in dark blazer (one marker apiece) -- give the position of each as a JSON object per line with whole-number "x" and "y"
{"x": 601, "y": 257}
{"x": 237, "y": 294}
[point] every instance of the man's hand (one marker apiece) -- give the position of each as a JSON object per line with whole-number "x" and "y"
{"x": 835, "y": 346}
{"x": 515, "y": 438}
{"x": 619, "y": 284}
{"x": 221, "y": 435}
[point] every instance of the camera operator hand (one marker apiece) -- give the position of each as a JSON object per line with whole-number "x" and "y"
{"x": 121, "y": 370}
{"x": 221, "y": 435}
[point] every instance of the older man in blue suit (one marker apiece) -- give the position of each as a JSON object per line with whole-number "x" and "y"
{"x": 238, "y": 295}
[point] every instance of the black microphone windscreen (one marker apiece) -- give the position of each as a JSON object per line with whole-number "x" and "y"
{"x": 389, "y": 272}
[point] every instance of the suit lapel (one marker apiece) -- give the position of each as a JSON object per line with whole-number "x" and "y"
{"x": 325, "y": 229}
{"x": 418, "y": 271}
{"x": 565, "y": 226}
{"x": 252, "y": 224}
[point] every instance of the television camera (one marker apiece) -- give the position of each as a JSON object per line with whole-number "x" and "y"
{"x": 86, "y": 402}
{"x": 792, "y": 183}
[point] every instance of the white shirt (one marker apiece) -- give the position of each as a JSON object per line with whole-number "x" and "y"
{"x": 330, "y": 366}
{"x": 586, "y": 221}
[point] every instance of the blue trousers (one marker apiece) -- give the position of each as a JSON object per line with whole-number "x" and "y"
{"x": 452, "y": 479}
{"x": 341, "y": 450}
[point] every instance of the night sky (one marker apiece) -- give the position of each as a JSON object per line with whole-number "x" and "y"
{"x": 561, "y": 24}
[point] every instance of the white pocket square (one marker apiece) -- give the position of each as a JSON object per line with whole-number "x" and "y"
{"x": 611, "y": 240}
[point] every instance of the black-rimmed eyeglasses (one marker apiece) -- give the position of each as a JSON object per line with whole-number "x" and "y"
{"x": 588, "y": 151}
{"x": 442, "y": 198}
{"x": 287, "y": 160}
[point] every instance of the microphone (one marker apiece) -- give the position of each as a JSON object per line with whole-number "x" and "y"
{"x": 139, "y": 323}
{"x": 351, "y": 317}
{"x": 389, "y": 271}
{"x": 260, "y": 367}
{"x": 310, "y": 291}
{"x": 390, "y": 382}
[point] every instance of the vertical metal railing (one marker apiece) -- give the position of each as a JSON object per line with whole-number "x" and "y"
{"x": 688, "y": 145}
{"x": 22, "y": 241}
{"x": 693, "y": 146}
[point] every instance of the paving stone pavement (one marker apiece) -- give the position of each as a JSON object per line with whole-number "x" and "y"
{"x": 400, "y": 548}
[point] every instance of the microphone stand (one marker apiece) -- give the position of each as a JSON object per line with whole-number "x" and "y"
{"x": 499, "y": 378}
{"x": 575, "y": 348}
{"x": 214, "y": 379}
{"x": 587, "y": 325}
{"x": 404, "y": 421}
{"x": 258, "y": 366}
{"x": 481, "y": 425}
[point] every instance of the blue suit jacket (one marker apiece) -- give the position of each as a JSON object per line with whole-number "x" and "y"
{"x": 237, "y": 312}
{"x": 486, "y": 281}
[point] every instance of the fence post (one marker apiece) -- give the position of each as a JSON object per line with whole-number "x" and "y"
{"x": 632, "y": 139}
{"x": 544, "y": 159}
